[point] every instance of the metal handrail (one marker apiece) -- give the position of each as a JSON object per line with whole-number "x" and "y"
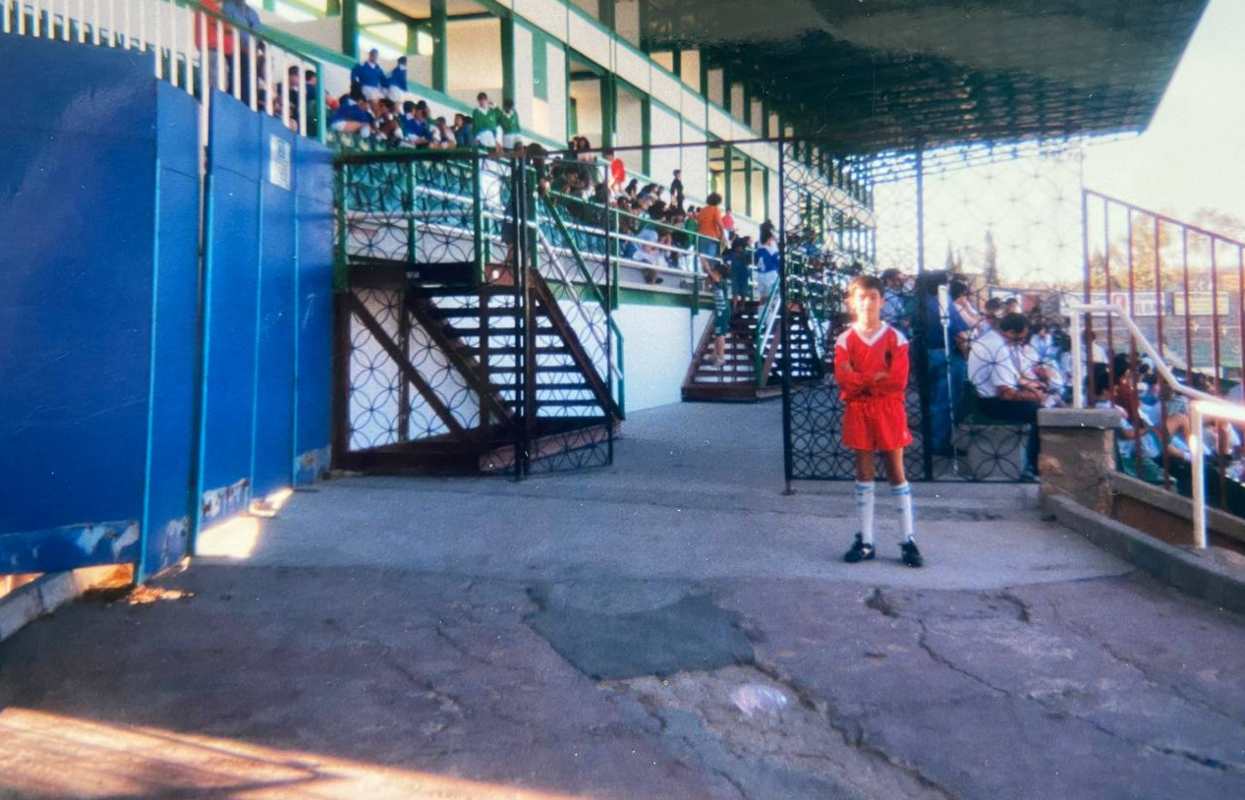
{"x": 1201, "y": 404}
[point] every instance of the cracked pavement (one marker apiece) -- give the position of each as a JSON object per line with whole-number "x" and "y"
{"x": 420, "y": 638}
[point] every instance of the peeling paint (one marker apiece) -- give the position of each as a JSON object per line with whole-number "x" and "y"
{"x": 70, "y": 546}
{"x": 312, "y": 465}
{"x": 225, "y": 501}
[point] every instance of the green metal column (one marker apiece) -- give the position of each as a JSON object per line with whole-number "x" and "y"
{"x": 646, "y": 133}
{"x": 607, "y": 13}
{"x": 440, "y": 58}
{"x": 609, "y": 110}
{"x": 507, "y": 58}
{"x": 350, "y": 28}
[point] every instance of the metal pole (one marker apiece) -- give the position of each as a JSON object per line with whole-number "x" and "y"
{"x": 1199, "y": 476}
{"x": 927, "y": 455}
{"x": 788, "y": 461}
{"x": 1078, "y": 366}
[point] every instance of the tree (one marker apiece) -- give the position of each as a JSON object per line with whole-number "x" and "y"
{"x": 990, "y": 266}
{"x": 954, "y": 262}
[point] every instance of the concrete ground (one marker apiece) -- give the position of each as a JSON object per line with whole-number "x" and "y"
{"x": 671, "y": 627}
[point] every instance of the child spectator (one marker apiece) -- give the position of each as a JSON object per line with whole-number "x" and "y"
{"x": 676, "y": 188}
{"x": 508, "y": 121}
{"x": 388, "y": 123}
{"x": 369, "y": 77}
{"x": 463, "y": 136}
{"x": 721, "y": 312}
{"x": 618, "y": 172}
{"x": 871, "y": 368}
{"x": 709, "y": 226}
{"x": 415, "y": 130}
{"x": 442, "y": 136}
{"x": 739, "y": 263}
{"x": 767, "y": 265}
{"x": 396, "y": 90}
{"x": 484, "y": 119}
{"x": 351, "y": 116}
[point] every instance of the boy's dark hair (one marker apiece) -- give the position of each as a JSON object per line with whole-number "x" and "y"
{"x": 482, "y": 96}
{"x": 408, "y": 106}
{"x": 1120, "y": 364}
{"x": 890, "y": 275}
{"x": 713, "y": 199}
{"x": 958, "y": 289}
{"x": 864, "y": 283}
{"x": 1101, "y": 378}
{"x": 1013, "y": 323}
{"x": 993, "y": 305}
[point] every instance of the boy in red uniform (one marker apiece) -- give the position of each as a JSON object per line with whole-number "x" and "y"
{"x": 871, "y": 368}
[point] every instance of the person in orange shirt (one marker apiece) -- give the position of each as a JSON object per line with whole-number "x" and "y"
{"x": 709, "y": 226}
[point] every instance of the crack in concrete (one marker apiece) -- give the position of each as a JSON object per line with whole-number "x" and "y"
{"x": 878, "y": 602}
{"x": 850, "y": 730}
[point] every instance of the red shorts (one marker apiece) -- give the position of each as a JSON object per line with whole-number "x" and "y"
{"x": 876, "y": 424}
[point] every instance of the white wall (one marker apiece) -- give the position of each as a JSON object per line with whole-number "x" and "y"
{"x": 630, "y": 129}
{"x": 474, "y": 52}
{"x": 557, "y": 92}
{"x": 587, "y": 95}
{"x": 524, "y": 100}
{"x": 664, "y": 130}
{"x": 658, "y": 342}
{"x": 326, "y": 32}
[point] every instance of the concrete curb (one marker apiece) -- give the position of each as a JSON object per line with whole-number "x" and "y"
{"x": 1188, "y": 571}
{"x": 46, "y": 594}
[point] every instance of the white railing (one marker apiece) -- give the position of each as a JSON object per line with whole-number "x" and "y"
{"x": 192, "y": 48}
{"x": 1202, "y": 406}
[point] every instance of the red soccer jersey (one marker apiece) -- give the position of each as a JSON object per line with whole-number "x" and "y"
{"x": 872, "y": 373}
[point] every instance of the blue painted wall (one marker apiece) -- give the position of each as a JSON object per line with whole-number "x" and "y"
{"x": 269, "y": 306}
{"x": 78, "y": 208}
{"x": 113, "y": 441}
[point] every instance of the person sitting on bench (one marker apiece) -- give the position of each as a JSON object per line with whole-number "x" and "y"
{"x": 1009, "y": 387}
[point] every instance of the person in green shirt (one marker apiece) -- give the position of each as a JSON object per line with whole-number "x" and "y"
{"x": 485, "y": 121}
{"x": 508, "y": 118}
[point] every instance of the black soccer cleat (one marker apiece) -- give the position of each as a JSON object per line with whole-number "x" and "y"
{"x": 911, "y": 554}
{"x": 859, "y": 551}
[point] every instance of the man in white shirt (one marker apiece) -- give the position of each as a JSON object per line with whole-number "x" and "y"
{"x": 1009, "y": 378}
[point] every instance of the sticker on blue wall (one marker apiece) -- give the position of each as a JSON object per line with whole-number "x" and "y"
{"x": 279, "y": 160}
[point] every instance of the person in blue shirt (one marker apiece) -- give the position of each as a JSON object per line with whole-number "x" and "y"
{"x": 767, "y": 265}
{"x": 370, "y": 77}
{"x": 947, "y": 369}
{"x": 351, "y": 116}
{"x": 415, "y": 128}
{"x": 397, "y": 82}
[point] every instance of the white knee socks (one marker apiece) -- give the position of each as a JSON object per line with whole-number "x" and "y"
{"x": 864, "y": 504}
{"x": 903, "y": 504}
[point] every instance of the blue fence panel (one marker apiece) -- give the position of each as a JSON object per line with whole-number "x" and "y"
{"x": 314, "y": 312}
{"x": 171, "y": 442}
{"x": 79, "y": 208}
{"x": 273, "y": 441}
{"x": 230, "y": 291}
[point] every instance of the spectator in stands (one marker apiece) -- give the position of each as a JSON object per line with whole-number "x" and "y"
{"x": 311, "y": 105}
{"x": 1011, "y": 305}
{"x": 767, "y": 264}
{"x": 945, "y": 370}
{"x": 508, "y": 121}
{"x": 728, "y": 225}
{"x": 962, "y": 306}
{"x": 463, "y": 136}
{"x": 1005, "y": 389}
{"x": 649, "y": 254}
{"x": 351, "y": 116}
{"x": 632, "y": 188}
{"x": 676, "y": 188}
{"x": 414, "y": 122}
{"x": 442, "y": 136}
{"x": 767, "y": 232}
{"x": 739, "y": 262}
{"x": 994, "y": 311}
{"x": 894, "y": 312}
{"x": 485, "y": 119}
{"x": 389, "y": 122}
{"x": 618, "y": 171}
{"x": 396, "y": 88}
{"x": 369, "y": 77}
{"x": 709, "y": 226}
{"x": 721, "y": 311}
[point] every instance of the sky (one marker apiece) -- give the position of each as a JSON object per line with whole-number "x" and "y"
{"x": 1193, "y": 153}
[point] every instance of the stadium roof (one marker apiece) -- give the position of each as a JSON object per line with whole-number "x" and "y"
{"x": 870, "y": 76}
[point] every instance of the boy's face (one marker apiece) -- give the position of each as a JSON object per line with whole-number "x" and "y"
{"x": 867, "y": 304}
